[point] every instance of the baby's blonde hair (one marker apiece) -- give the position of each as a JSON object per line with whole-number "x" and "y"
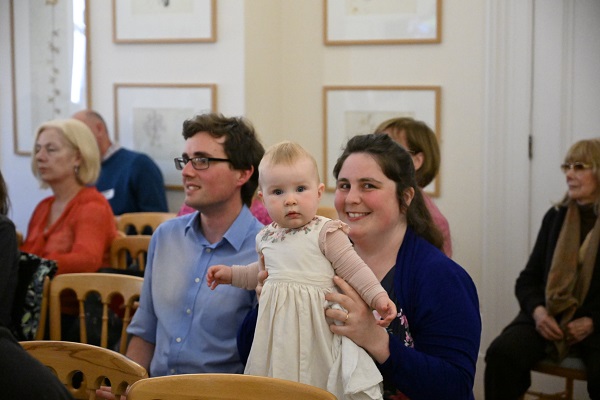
{"x": 286, "y": 153}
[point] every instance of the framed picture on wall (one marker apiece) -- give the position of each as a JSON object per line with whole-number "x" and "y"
{"x": 164, "y": 21}
{"x": 355, "y": 110}
{"x": 49, "y": 62}
{"x": 149, "y": 119}
{"x": 349, "y": 22}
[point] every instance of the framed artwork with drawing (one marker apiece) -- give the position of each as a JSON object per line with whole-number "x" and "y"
{"x": 164, "y": 21}
{"x": 149, "y": 119}
{"x": 355, "y": 110}
{"x": 49, "y": 62}
{"x": 350, "y": 22}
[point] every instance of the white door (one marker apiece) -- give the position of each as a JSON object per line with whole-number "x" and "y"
{"x": 566, "y": 93}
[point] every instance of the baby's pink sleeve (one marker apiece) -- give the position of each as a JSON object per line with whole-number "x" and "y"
{"x": 338, "y": 249}
{"x": 245, "y": 276}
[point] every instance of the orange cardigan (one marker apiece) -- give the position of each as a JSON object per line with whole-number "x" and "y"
{"x": 79, "y": 241}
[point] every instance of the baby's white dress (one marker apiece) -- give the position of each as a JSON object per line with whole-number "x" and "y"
{"x": 292, "y": 338}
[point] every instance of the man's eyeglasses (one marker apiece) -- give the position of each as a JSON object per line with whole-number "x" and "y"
{"x": 575, "y": 166}
{"x": 198, "y": 163}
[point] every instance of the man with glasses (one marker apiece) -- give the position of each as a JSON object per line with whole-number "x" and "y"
{"x": 181, "y": 326}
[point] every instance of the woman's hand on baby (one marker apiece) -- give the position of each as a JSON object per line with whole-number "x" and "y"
{"x": 387, "y": 310}
{"x": 217, "y": 275}
{"x": 357, "y": 322}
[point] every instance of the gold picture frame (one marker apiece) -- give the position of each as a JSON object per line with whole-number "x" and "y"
{"x": 164, "y": 21}
{"x": 355, "y": 110}
{"x": 149, "y": 119}
{"x": 360, "y": 22}
{"x": 50, "y": 63}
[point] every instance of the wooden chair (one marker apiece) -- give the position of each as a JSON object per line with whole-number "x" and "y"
{"x": 328, "y": 212}
{"x": 88, "y": 364}
{"x": 140, "y": 220}
{"x": 107, "y": 286}
{"x": 129, "y": 248}
{"x": 571, "y": 368}
{"x": 223, "y": 386}
{"x": 19, "y": 238}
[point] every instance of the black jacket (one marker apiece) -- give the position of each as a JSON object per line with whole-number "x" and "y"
{"x": 531, "y": 283}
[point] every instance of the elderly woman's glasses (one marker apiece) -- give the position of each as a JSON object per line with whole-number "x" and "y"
{"x": 575, "y": 166}
{"x": 198, "y": 163}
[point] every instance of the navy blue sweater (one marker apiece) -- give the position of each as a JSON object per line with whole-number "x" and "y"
{"x": 132, "y": 182}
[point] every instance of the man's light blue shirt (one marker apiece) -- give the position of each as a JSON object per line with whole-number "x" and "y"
{"x": 194, "y": 328}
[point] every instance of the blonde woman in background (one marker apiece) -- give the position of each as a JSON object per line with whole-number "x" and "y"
{"x": 75, "y": 226}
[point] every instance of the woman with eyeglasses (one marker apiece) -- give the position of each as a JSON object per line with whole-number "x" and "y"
{"x": 559, "y": 289}
{"x": 75, "y": 226}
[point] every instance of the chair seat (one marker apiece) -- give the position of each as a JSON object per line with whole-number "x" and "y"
{"x": 571, "y": 368}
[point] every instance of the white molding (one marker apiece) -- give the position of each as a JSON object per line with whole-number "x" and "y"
{"x": 506, "y": 173}
{"x": 568, "y": 75}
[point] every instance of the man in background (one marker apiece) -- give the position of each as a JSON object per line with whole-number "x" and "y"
{"x": 130, "y": 181}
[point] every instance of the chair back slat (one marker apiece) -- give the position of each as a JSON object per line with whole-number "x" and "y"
{"x": 328, "y": 212}
{"x": 126, "y": 248}
{"x": 141, "y": 222}
{"x": 66, "y": 359}
{"x": 106, "y": 286}
{"x": 222, "y": 387}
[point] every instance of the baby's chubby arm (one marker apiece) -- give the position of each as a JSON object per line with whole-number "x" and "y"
{"x": 241, "y": 276}
{"x": 386, "y": 308}
{"x": 218, "y": 274}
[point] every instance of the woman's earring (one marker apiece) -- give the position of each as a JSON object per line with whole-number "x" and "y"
{"x": 76, "y": 168}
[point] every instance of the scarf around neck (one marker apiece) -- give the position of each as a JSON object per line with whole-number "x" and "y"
{"x": 570, "y": 273}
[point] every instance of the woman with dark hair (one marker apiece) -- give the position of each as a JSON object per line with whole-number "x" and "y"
{"x": 378, "y": 197}
{"x": 430, "y": 350}
{"x": 559, "y": 289}
{"x": 9, "y": 257}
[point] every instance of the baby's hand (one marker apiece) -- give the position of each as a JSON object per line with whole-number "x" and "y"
{"x": 387, "y": 310}
{"x": 218, "y": 274}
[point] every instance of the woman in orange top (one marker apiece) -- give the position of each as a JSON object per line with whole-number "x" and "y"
{"x": 75, "y": 227}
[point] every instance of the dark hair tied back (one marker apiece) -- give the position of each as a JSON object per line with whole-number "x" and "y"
{"x": 397, "y": 165}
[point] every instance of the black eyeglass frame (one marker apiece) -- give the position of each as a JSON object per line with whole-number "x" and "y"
{"x": 180, "y": 162}
{"x": 575, "y": 166}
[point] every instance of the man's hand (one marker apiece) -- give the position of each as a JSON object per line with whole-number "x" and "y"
{"x": 105, "y": 393}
